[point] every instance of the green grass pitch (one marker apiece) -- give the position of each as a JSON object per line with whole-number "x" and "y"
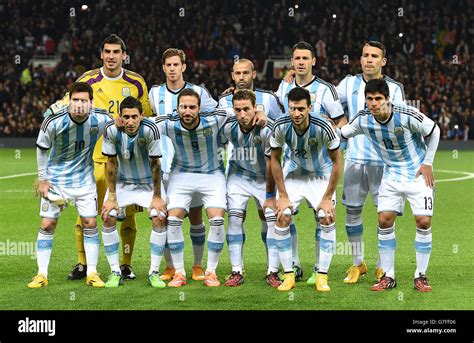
{"x": 450, "y": 269}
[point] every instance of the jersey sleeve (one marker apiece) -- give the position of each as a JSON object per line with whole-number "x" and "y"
{"x": 276, "y": 108}
{"x": 152, "y": 101}
{"x": 421, "y": 123}
{"x": 108, "y": 145}
{"x": 279, "y": 92}
{"x": 330, "y": 138}
{"x": 145, "y": 100}
{"x": 331, "y": 103}
{"x": 207, "y": 101}
{"x": 153, "y": 141}
{"x": 46, "y": 135}
{"x": 399, "y": 95}
{"x": 266, "y": 136}
{"x": 341, "y": 91}
{"x": 223, "y": 135}
{"x": 277, "y": 138}
{"x": 351, "y": 129}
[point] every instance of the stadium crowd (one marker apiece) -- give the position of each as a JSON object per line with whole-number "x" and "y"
{"x": 428, "y": 44}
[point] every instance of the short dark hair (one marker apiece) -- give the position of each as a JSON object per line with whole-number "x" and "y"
{"x": 113, "y": 39}
{"x": 377, "y": 44}
{"x": 298, "y": 93}
{"x": 377, "y": 86}
{"x": 189, "y": 92}
{"x": 303, "y": 46}
{"x": 245, "y": 94}
{"x": 78, "y": 87}
{"x": 131, "y": 102}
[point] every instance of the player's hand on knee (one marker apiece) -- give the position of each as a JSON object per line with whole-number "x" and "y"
{"x": 109, "y": 205}
{"x": 282, "y": 204}
{"x": 159, "y": 205}
{"x": 41, "y": 188}
{"x": 269, "y": 203}
{"x": 326, "y": 207}
{"x": 427, "y": 172}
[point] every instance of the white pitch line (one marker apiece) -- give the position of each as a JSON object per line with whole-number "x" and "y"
{"x": 16, "y": 175}
{"x": 467, "y": 177}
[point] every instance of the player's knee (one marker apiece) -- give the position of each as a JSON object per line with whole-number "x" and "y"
{"x": 216, "y": 221}
{"x": 284, "y": 221}
{"x": 326, "y": 221}
{"x": 89, "y": 222}
{"x": 156, "y": 222}
{"x": 386, "y": 221}
{"x": 353, "y": 216}
{"x": 423, "y": 223}
{"x": 174, "y": 224}
{"x": 48, "y": 224}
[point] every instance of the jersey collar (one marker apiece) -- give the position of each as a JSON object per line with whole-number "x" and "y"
{"x": 111, "y": 78}
{"x": 306, "y": 85}
{"x": 177, "y": 91}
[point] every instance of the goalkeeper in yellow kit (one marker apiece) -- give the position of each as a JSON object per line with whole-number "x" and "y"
{"x": 111, "y": 84}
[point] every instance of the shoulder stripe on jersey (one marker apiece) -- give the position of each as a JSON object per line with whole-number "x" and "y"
{"x": 224, "y": 96}
{"x": 409, "y": 112}
{"x": 325, "y": 126}
{"x": 132, "y": 73}
{"x": 360, "y": 113}
{"x": 102, "y": 111}
{"x": 399, "y": 84}
{"x": 281, "y": 122}
{"x": 330, "y": 86}
{"x": 213, "y": 113}
{"x": 91, "y": 73}
{"x": 282, "y": 108}
{"x": 154, "y": 129}
{"x": 335, "y": 148}
{"x": 107, "y": 126}
{"x": 134, "y": 82}
{"x": 49, "y": 119}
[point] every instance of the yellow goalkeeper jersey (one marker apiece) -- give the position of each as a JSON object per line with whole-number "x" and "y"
{"x": 108, "y": 94}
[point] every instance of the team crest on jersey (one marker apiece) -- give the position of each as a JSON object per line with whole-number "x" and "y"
{"x": 257, "y": 140}
{"x": 45, "y": 207}
{"x": 398, "y": 130}
{"x": 313, "y": 97}
{"x": 94, "y": 130}
{"x": 261, "y": 107}
{"x": 207, "y": 132}
{"x": 126, "y": 91}
{"x": 312, "y": 141}
{"x": 141, "y": 141}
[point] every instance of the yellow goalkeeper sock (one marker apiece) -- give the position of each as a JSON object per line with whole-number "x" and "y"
{"x": 81, "y": 253}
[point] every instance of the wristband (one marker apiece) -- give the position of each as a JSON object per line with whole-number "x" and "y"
{"x": 270, "y": 195}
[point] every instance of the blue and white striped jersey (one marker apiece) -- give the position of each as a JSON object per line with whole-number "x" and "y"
{"x": 198, "y": 150}
{"x": 266, "y": 101}
{"x": 351, "y": 93}
{"x": 324, "y": 98}
{"x": 307, "y": 151}
{"x": 398, "y": 141}
{"x": 164, "y": 101}
{"x": 72, "y": 144}
{"x": 247, "y": 158}
{"x": 133, "y": 152}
